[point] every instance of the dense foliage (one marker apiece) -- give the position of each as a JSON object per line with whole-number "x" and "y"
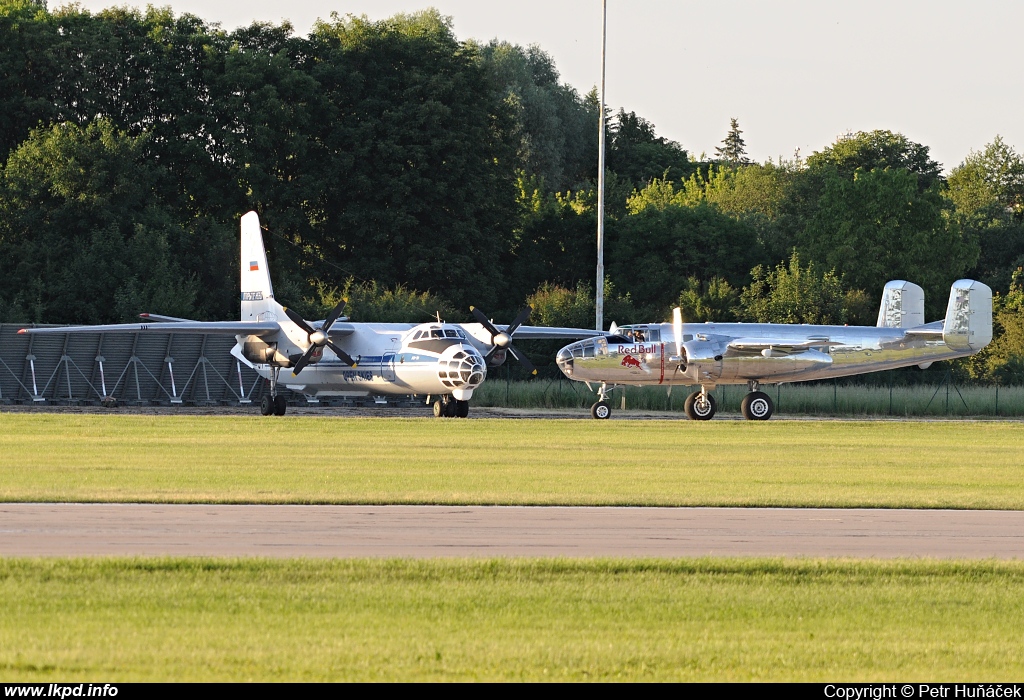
{"x": 415, "y": 173}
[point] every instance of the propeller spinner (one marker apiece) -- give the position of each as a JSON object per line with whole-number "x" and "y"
{"x": 318, "y": 338}
{"x": 502, "y": 340}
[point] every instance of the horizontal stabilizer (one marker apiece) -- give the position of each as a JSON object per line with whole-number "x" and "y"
{"x": 928, "y": 330}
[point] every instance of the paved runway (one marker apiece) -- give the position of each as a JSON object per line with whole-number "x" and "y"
{"x": 474, "y": 531}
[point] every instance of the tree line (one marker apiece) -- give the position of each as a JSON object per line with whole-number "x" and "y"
{"x": 413, "y": 173}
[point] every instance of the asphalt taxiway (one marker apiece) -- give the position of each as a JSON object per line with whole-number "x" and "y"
{"x": 57, "y": 529}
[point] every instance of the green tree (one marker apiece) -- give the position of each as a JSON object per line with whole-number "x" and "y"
{"x": 368, "y": 301}
{"x": 714, "y": 301}
{"x": 652, "y": 253}
{"x": 880, "y": 225}
{"x": 879, "y": 149}
{"x": 733, "y": 149}
{"x": 553, "y": 128}
{"x": 987, "y": 190}
{"x": 637, "y": 154}
{"x": 84, "y": 234}
{"x": 1002, "y": 361}
{"x": 574, "y": 307}
{"x": 794, "y": 294}
{"x": 414, "y": 185}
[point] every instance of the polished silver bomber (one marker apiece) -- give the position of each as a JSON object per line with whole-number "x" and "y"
{"x": 709, "y": 354}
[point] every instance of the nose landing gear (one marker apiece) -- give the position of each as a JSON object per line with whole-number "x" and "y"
{"x": 601, "y": 410}
{"x": 449, "y": 407}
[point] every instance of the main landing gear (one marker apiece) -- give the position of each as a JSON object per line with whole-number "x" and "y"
{"x": 757, "y": 405}
{"x": 271, "y": 404}
{"x": 450, "y": 407}
{"x": 700, "y": 405}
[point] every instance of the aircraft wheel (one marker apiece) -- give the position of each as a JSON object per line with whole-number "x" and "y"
{"x": 438, "y": 409}
{"x": 757, "y": 405}
{"x": 266, "y": 405}
{"x": 280, "y": 406}
{"x": 462, "y": 409}
{"x": 601, "y": 410}
{"x": 450, "y": 408}
{"x": 698, "y": 409}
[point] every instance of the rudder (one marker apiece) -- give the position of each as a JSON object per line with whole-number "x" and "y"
{"x": 968, "y": 323}
{"x": 258, "y": 302}
{"x": 902, "y": 305}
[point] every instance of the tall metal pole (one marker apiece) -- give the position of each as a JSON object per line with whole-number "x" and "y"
{"x": 600, "y": 176}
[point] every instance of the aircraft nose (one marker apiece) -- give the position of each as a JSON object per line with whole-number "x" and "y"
{"x": 564, "y": 360}
{"x": 462, "y": 369}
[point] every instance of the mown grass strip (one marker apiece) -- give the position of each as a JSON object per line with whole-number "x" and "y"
{"x": 703, "y": 619}
{"x": 214, "y": 459}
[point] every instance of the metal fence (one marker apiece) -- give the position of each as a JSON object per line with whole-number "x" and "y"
{"x": 130, "y": 368}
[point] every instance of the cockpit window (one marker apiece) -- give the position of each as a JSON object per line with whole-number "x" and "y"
{"x": 640, "y": 334}
{"x": 436, "y": 333}
{"x": 451, "y": 333}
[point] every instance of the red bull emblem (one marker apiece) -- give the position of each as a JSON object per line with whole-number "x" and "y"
{"x": 630, "y": 361}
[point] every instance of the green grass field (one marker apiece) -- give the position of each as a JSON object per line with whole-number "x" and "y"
{"x": 198, "y": 619}
{"x": 815, "y": 399}
{"x": 62, "y": 457}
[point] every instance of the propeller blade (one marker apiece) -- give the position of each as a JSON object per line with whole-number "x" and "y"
{"x": 303, "y": 361}
{"x": 483, "y": 321}
{"x": 333, "y": 316}
{"x": 342, "y": 355}
{"x": 299, "y": 321}
{"x": 520, "y": 320}
{"x": 677, "y": 329}
{"x": 523, "y": 359}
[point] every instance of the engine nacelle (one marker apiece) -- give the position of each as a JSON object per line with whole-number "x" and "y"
{"x": 703, "y": 359}
{"x": 261, "y": 353}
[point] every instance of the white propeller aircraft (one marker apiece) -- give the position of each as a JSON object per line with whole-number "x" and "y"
{"x": 336, "y": 357}
{"x": 752, "y": 353}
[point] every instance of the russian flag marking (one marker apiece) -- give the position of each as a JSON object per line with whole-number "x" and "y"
{"x": 253, "y": 265}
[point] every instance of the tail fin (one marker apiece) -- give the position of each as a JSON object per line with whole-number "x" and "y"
{"x": 968, "y": 324}
{"x": 902, "y": 305}
{"x": 258, "y": 302}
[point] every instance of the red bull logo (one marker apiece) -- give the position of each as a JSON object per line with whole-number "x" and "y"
{"x": 630, "y": 361}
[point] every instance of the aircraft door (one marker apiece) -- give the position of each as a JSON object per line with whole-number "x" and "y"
{"x": 387, "y": 367}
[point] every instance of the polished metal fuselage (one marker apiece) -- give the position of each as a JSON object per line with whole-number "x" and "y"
{"x": 709, "y": 359}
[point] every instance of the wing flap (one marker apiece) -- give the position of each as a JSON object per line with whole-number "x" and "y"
{"x": 782, "y": 344}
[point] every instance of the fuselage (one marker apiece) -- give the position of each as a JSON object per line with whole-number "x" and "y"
{"x": 391, "y": 359}
{"x": 648, "y": 354}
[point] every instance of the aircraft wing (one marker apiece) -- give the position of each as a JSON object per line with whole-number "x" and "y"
{"x": 191, "y": 327}
{"x": 164, "y": 319}
{"x": 552, "y": 332}
{"x": 783, "y": 345}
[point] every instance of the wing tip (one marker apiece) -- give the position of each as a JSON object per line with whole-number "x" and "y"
{"x": 23, "y": 331}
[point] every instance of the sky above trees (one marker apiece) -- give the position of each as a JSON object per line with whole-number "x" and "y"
{"x": 795, "y": 73}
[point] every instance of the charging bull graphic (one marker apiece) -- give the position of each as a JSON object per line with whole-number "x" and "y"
{"x": 630, "y": 361}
